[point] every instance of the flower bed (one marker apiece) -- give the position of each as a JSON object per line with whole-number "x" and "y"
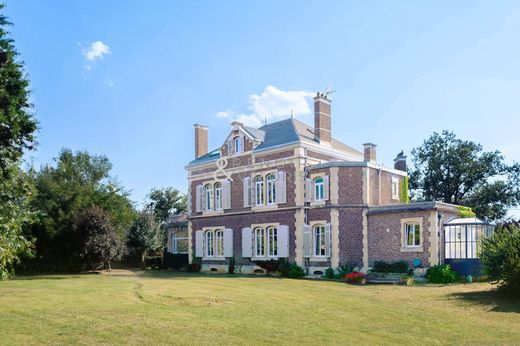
{"x": 355, "y": 278}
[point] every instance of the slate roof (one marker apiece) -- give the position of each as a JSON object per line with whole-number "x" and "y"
{"x": 280, "y": 133}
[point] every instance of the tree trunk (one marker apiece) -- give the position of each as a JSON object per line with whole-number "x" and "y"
{"x": 109, "y": 267}
{"x": 143, "y": 255}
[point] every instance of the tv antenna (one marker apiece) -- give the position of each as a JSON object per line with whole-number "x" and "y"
{"x": 328, "y": 92}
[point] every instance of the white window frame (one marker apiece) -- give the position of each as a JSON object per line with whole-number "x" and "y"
{"x": 208, "y": 192}
{"x": 175, "y": 240}
{"x": 219, "y": 243}
{"x": 259, "y": 242}
{"x": 218, "y": 196}
{"x": 318, "y": 238}
{"x": 395, "y": 188}
{"x": 414, "y": 235}
{"x": 272, "y": 239}
{"x": 319, "y": 193}
{"x": 259, "y": 190}
{"x": 271, "y": 188}
{"x": 237, "y": 144}
{"x": 209, "y": 243}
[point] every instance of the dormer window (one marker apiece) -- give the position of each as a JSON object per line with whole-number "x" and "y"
{"x": 237, "y": 145}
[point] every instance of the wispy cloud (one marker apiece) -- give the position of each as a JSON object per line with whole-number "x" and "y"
{"x": 96, "y": 50}
{"x": 109, "y": 83}
{"x": 271, "y": 105}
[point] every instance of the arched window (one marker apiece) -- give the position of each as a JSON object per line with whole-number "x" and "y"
{"x": 319, "y": 240}
{"x": 218, "y": 196}
{"x": 208, "y": 190}
{"x": 219, "y": 242}
{"x": 237, "y": 144}
{"x": 318, "y": 189}
{"x": 272, "y": 241}
{"x": 210, "y": 243}
{"x": 271, "y": 188}
{"x": 259, "y": 242}
{"x": 259, "y": 190}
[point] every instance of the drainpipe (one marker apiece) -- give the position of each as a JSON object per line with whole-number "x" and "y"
{"x": 305, "y": 204}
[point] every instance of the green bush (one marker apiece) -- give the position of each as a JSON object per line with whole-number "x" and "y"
{"x": 394, "y": 267}
{"x": 329, "y": 273}
{"x": 441, "y": 274}
{"x": 500, "y": 257}
{"x": 295, "y": 271}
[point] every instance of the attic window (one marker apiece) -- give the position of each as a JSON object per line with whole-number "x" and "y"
{"x": 237, "y": 145}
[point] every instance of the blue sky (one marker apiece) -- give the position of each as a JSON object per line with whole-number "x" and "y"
{"x": 128, "y": 79}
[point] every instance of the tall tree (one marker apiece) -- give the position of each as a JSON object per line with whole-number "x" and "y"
{"x": 166, "y": 202}
{"x": 103, "y": 241}
{"x": 76, "y": 182}
{"x": 17, "y": 128}
{"x": 452, "y": 170}
{"x": 145, "y": 235}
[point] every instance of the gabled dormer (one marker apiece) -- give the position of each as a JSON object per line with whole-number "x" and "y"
{"x": 241, "y": 139}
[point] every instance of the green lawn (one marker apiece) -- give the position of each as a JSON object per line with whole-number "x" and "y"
{"x": 166, "y": 308}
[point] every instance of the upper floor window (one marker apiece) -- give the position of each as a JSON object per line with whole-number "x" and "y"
{"x": 412, "y": 234}
{"x": 218, "y": 196}
{"x": 318, "y": 189}
{"x": 395, "y": 188}
{"x": 259, "y": 190}
{"x": 237, "y": 144}
{"x": 208, "y": 191}
{"x": 271, "y": 188}
{"x": 320, "y": 244}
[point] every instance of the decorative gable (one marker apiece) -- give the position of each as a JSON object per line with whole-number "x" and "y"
{"x": 238, "y": 141}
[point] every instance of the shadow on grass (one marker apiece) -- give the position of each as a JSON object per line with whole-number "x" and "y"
{"x": 48, "y": 277}
{"x": 494, "y": 300}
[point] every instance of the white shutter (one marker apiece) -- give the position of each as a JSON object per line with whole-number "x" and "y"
{"x": 253, "y": 192}
{"x": 199, "y": 244}
{"x": 281, "y": 188}
{"x": 228, "y": 242}
{"x": 247, "y": 242}
{"x": 198, "y": 198}
{"x": 326, "y": 185}
{"x": 247, "y": 192}
{"x": 230, "y": 148}
{"x": 307, "y": 241}
{"x": 226, "y": 194}
{"x": 283, "y": 241}
{"x": 308, "y": 190}
{"x": 328, "y": 242}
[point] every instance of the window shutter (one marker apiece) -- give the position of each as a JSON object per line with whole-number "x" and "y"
{"x": 247, "y": 192}
{"x": 308, "y": 190}
{"x": 199, "y": 244}
{"x": 283, "y": 241}
{"x": 230, "y": 148}
{"x": 328, "y": 247}
{"x": 253, "y": 192}
{"x": 228, "y": 242}
{"x": 247, "y": 242}
{"x": 307, "y": 241}
{"x": 326, "y": 184}
{"x": 281, "y": 188}
{"x": 226, "y": 194}
{"x": 198, "y": 198}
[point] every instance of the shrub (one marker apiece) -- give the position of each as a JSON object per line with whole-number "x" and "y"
{"x": 394, "y": 267}
{"x": 231, "y": 267}
{"x": 295, "y": 272}
{"x": 329, "y": 273}
{"x": 500, "y": 257}
{"x": 175, "y": 261}
{"x": 271, "y": 265}
{"x": 441, "y": 274}
{"x": 355, "y": 277}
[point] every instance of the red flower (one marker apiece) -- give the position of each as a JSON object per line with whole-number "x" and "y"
{"x": 355, "y": 277}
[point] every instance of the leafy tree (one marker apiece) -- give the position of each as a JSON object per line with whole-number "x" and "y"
{"x": 145, "y": 235}
{"x": 76, "y": 182}
{"x": 17, "y": 128}
{"x": 500, "y": 256}
{"x": 166, "y": 202}
{"x": 103, "y": 241}
{"x": 451, "y": 170}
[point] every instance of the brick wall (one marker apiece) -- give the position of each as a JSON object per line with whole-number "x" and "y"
{"x": 350, "y": 181}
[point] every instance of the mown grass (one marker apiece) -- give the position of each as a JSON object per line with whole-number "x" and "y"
{"x": 165, "y": 308}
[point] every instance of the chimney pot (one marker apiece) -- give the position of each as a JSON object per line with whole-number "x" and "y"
{"x": 400, "y": 162}
{"x": 201, "y": 140}
{"x": 369, "y": 152}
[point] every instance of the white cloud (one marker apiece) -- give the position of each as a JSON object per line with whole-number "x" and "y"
{"x": 96, "y": 50}
{"x": 109, "y": 83}
{"x": 272, "y": 104}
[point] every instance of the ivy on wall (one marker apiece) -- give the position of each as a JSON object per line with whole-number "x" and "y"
{"x": 403, "y": 193}
{"x": 465, "y": 212}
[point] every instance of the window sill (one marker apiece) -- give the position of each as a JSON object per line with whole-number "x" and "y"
{"x": 213, "y": 212}
{"x": 412, "y": 249}
{"x": 214, "y": 258}
{"x": 320, "y": 202}
{"x": 319, "y": 259}
{"x": 264, "y": 207}
{"x": 266, "y": 258}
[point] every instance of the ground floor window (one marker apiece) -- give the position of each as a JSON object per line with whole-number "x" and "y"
{"x": 266, "y": 241}
{"x": 320, "y": 245}
{"x": 180, "y": 242}
{"x": 413, "y": 234}
{"x": 214, "y": 243}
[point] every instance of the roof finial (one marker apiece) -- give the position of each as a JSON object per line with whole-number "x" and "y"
{"x": 292, "y": 113}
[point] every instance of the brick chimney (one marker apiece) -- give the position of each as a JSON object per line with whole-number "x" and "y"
{"x": 322, "y": 113}
{"x": 201, "y": 140}
{"x": 400, "y": 162}
{"x": 369, "y": 152}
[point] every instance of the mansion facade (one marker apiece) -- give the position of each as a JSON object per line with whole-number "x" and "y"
{"x": 289, "y": 190}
